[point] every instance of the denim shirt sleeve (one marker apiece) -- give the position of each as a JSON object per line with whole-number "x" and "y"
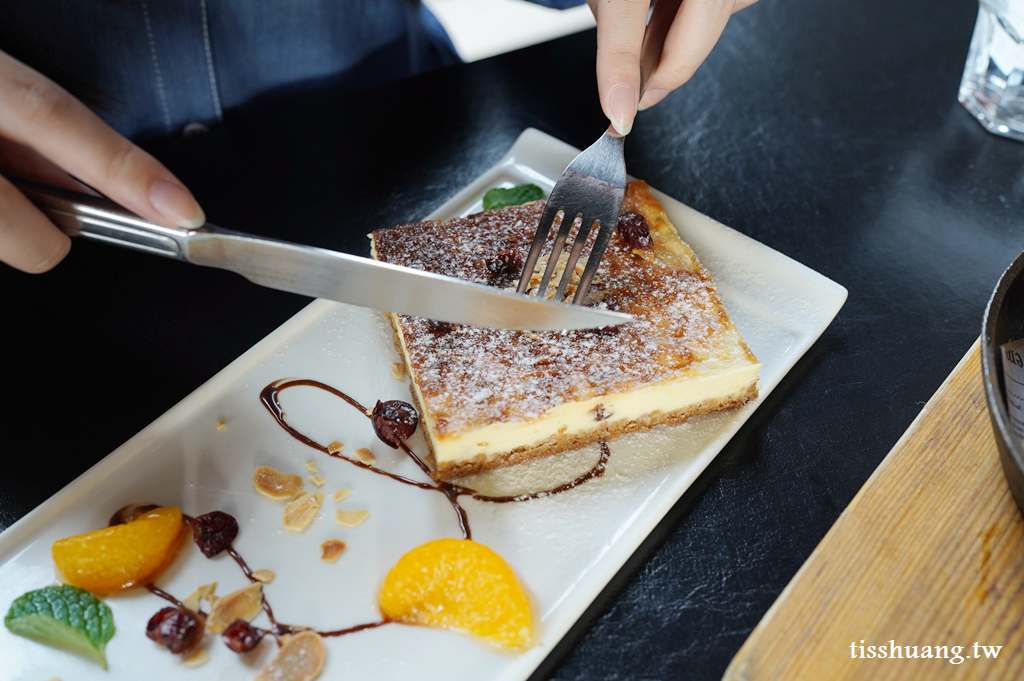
{"x": 151, "y": 67}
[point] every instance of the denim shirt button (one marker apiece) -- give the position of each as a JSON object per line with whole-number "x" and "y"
{"x": 193, "y": 129}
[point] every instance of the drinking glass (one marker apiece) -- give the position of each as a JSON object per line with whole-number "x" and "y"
{"x": 991, "y": 86}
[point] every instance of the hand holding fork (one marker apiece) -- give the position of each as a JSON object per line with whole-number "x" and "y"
{"x": 667, "y": 49}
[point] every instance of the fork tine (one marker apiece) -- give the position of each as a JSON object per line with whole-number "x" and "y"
{"x": 604, "y": 234}
{"x": 540, "y": 237}
{"x": 581, "y": 240}
{"x": 556, "y": 250}
{"x": 595, "y": 181}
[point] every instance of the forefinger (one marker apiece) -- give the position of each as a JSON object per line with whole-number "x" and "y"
{"x": 697, "y": 27}
{"x": 41, "y": 115}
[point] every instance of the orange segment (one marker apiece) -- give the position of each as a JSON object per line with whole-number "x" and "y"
{"x": 461, "y": 585}
{"x": 121, "y": 556}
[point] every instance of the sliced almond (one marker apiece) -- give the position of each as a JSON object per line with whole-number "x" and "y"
{"x": 275, "y": 484}
{"x": 311, "y": 466}
{"x": 335, "y": 447}
{"x": 342, "y": 493}
{"x": 351, "y": 517}
{"x": 301, "y": 658}
{"x": 298, "y": 495}
{"x": 398, "y": 370}
{"x": 649, "y": 257}
{"x": 202, "y": 593}
{"x": 243, "y": 604}
{"x": 331, "y": 549}
{"x": 265, "y": 576}
{"x": 192, "y": 601}
{"x": 561, "y": 262}
{"x": 318, "y": 479}
{"x": 198, "y": 658}
{"x": 300, "y": 513}
{"x": 365, "y": 455}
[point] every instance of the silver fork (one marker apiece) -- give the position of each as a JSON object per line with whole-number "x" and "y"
{"x": 591, "y": 189}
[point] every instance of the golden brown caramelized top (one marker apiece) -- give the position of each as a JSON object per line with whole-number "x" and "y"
{"x": 471, "y": 377}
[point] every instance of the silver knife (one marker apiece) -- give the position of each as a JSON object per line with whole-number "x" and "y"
{"x": 312, "y": 271}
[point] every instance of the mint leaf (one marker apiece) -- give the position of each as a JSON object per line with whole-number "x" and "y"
{"x": 64, "y": 617}
{"x": 513, "y": 196}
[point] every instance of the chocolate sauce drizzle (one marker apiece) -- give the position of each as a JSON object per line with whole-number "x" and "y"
{"x": 451, "y": 491}
{"x": 277, "y": 629}
{"x": 128, "y": 513}
{"x": 166, "y": 596}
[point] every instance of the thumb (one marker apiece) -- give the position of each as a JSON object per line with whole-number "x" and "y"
{"x": 620, "y": 34}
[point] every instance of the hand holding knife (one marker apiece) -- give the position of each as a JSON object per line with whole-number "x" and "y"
{"x": 312, "y": 271}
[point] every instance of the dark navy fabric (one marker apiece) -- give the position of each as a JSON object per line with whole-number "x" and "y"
{"x": 151, "y": 68}
{"x": 559, "y": 4}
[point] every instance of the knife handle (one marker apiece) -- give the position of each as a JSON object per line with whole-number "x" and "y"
{"x": 100, "y": 219}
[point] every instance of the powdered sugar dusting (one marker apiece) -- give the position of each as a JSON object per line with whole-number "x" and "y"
{"x": 471, "y": 376}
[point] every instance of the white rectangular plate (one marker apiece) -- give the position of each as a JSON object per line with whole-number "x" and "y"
{"x": 564, "y": 548}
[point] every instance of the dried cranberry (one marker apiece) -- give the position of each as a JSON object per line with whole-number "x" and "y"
{"x": 504, "y": 268}
{"x": 178, "y": 629}
{"x": 634, "y": 230}
{"x": 394, "y": 421}
{"x": 505, "y": 263}
{"x": 439, "y": 328}
{"x": 607, "y": 330}
{"x": 214, "y": 532}
{"x": 241, "y": 636}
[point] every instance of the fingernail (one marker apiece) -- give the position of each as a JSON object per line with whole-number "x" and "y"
{"x": 622, "y": 105}
{"x": 49, "y": 260}
{"x": 652, "y": 97}
{"x": 176, "y": 205}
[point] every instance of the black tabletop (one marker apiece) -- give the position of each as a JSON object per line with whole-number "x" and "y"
{"x": 826, "y": 129}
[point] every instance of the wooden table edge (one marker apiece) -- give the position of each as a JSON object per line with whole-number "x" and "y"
{"x": 930, "y": 552}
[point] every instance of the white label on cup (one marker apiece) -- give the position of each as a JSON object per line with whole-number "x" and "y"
{"x": 1013, "y": 377}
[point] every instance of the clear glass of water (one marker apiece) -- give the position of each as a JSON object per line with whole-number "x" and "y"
{"x": 991, "y": 87}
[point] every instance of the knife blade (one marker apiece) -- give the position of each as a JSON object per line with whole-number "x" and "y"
{"x": 310, "y": 271}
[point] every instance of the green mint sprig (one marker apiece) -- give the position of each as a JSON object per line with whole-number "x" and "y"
{"x": 500, "y": 197}
{"x": 64, "y": 617}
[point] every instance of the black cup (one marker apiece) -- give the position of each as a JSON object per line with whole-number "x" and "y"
{"x": 1004, "y": 322}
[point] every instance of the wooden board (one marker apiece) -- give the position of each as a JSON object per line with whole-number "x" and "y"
{"x": 929, "y": 553}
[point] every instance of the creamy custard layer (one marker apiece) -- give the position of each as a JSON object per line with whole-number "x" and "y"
{"x": 576, "y": 419}
{"x": 491, "y": 397}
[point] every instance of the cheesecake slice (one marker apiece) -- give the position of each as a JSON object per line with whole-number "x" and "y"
{"x": 494, "y": 397}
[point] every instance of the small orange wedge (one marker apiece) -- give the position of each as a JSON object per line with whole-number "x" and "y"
{"x": 121, "y": 556}
{"x": 460, "y": 585}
